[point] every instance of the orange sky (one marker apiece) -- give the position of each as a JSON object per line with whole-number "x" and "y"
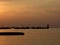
{"x": 29, "y": 12}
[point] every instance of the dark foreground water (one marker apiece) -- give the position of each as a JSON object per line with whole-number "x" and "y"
{"x": 32, "y": 37}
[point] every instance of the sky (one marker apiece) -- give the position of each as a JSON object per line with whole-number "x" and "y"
{"x": 30, "y": 13}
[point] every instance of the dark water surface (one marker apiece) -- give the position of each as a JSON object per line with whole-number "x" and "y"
{"x": 32, "y": 37}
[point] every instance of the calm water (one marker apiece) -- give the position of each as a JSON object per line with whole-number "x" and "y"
{"x": 32, "y": 37}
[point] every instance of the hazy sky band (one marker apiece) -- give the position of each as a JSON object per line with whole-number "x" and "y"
{"x": 30, "y": 12}
{"x": 38, "y": 2}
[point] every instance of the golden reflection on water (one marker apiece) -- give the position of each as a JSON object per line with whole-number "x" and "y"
{"x": 32, "y": 37}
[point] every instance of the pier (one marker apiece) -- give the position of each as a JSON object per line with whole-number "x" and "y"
{"x": 11, "y": 33}
{"x": 47, "y": 27}
{"x": 20, "y": 33}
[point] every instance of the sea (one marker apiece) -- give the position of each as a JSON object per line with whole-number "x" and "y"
{"x": 31, "y": 37}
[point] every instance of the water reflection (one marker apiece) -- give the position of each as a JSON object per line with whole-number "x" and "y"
{"x": 32, "y": 37}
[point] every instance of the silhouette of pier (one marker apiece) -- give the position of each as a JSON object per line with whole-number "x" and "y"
{"x": 11, "y": 33}
{"x": 20, "y": 33}
{"x": 47, "y": 27}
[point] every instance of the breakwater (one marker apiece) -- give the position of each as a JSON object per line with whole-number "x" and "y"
{"x": 26, "y": 27}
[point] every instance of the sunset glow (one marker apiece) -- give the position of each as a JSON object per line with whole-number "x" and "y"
{"x": 27, "y": 12}
{"x": 29, "y": 22}
{"x": 3, "y": 7}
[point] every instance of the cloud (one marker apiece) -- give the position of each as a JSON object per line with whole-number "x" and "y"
{"x": 53, "y": 11}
